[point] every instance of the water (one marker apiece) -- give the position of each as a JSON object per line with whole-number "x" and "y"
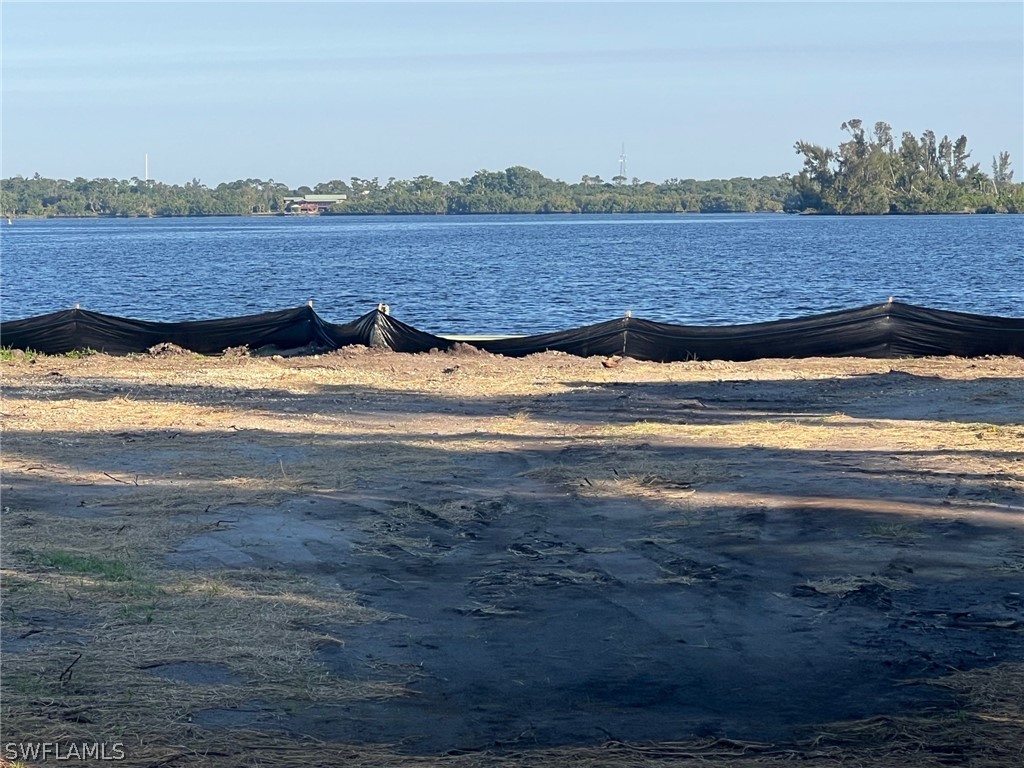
{"x": 513, "y": 274}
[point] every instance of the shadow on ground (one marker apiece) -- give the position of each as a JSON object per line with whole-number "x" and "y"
{"x": 549, "y": 590}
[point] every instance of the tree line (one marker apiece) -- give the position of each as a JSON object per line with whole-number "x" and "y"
{"x": 514, "y": 190}
{"x": 864, "y": 175}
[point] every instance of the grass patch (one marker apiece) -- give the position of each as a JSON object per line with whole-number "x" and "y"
{"x": 30, "y": 685}
{"x": 10, "y": 353}
{"x": 78, "y": 354}
{"x": 893, "y": 531}
{"x": 88, "y": 565}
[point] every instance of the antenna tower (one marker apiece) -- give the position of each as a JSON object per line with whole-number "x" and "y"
{"x": 147, "y": 167}
{"x": 622, "y": 161}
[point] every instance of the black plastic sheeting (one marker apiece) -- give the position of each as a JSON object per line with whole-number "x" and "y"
{"x": 892, "y": 329}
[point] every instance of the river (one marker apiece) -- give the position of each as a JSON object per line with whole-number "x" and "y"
{"x": 513, "y": 274}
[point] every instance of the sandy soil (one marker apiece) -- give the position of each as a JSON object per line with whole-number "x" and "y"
{"x": 461, "y": 556}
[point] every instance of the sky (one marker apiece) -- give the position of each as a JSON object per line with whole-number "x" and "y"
{"x": 303, "y": 93}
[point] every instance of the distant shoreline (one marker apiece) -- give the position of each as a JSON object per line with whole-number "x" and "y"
{"x": 925, "y": 188}
{"x": 469, "y": 214}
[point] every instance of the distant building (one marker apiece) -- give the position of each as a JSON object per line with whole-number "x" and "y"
{"x": 311, "y": 203}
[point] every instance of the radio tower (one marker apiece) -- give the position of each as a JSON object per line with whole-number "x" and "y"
{"x": 622, "y": 161}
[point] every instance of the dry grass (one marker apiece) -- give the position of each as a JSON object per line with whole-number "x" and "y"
{"x": 984, "y": 734}
{"x": 607, "y": 470}
{"x": 262, "y": 629}
{"x": 164, "y": 450}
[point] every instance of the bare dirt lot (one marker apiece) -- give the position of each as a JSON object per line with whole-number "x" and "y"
{"x": 367, "y": 558}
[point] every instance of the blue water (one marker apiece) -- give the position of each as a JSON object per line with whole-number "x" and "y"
{"x": 513, "y": 274}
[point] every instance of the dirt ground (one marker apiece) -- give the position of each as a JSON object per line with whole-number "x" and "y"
{"x": 368, "y": 558}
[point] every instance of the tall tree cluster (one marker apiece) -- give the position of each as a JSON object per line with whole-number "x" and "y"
{"x": 870, "y": 174}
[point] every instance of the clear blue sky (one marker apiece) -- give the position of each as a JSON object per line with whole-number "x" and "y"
{"x": 308, "y": 92}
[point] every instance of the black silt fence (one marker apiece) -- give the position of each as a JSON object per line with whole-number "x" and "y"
{"x": 885, "y": 330}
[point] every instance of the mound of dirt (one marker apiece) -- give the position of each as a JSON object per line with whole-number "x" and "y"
{"x": 167, "y": 349}
{"x": 461, "y": 349}
{"x": 242, "y": 351}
